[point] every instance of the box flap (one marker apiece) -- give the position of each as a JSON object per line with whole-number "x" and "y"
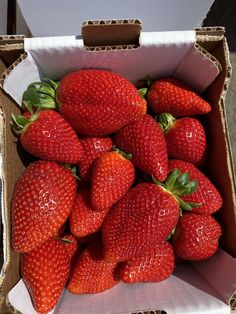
{"x": 59, "y": 18}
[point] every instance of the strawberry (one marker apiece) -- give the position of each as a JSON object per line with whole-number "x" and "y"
{"x": 91, "y": 273}
{"x": 42, "y": 201}
{"x": 206, "y": 193}
{"x": 84, "y": 220}
{"x": 45, "y": 271}
{"x": 196, "y": 237}
{"x": 185, "y": 138}
{"x": 144, "y": 139}
{"x": 71, "y": 244}
{"x": 93, "y": 148}
{"x": 154, "y": 266}
{"x": 175, "y": 97}
{"x": 94, "y": 102}
{"x": 112, "y": 177}
{"x": 47, "y": 135}
{"x": 144, "y": 217}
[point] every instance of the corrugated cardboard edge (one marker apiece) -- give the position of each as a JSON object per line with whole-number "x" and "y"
{"x": 112, "y": 33}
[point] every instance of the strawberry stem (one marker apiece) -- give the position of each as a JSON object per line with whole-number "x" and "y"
{"x": 180, "y": 184}
{"x": 41, "y": 95}
{"x": 166, "y": 120}
{"x": 122, "y": 153}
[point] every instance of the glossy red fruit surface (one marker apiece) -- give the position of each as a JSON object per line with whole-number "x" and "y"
{"x": 91, "y": 273}
{"x": 153, "y": 266}
{"x": 84, "y": 219}
{"x": 196, "y": 237}
{"x": 49, "y": 136}
{"x": 144, "y": 139}
{"x": 112, "y": 177}
{"x": 42, "y": 201}
{"x": 93, "y": 148}
{"x": 206, "y": 193}
{"x": 99, "y": 102}
{"x": 144, "y": 217}
{"x": 175, "y": 97}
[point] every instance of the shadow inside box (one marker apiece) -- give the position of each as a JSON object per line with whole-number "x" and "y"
{"x": 189, "y": 274}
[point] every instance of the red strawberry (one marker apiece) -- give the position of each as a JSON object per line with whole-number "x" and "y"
{"x": 45, "y": 271}
{"x": 144, "y": 139}
{"x": 185, "y": 138}
{"x": 155, "y": 265}
{"x": 49, "y": 136}
{"x": 71, "y": 244}
{"x": 84, "y": 219}
{"x": 145, "y": 217}
{"x": 94, "y": 102}
{"x": 206, "y": 193}
{"x": 196, "y": 237}
{"x": 93, "y": 147}
{"x": 175, "y": 97}
{"x": 91, "y": 273}
{"x": 42, "y": 201}
{"x": 112, "y": 177}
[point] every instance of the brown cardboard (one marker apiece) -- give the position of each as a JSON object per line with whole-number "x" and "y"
{"x": 111, "y": 33}
{"x": 219, "y": 165}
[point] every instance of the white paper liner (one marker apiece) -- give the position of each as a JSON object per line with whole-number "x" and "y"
{"x": 159, "y": 55}
{"x": 185, "y": 292}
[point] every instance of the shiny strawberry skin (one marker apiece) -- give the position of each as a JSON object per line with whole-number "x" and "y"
{"x": 186, "y": 140}
{"x": 99, "y": 102}
{"x": 91, "y": 273}
{"x": 206, "y": 192}
{"x": 154, "y": 266}
{"x": 144, "y": 139}
{"x": 112, "y": 177}
{"x": 42, "y": 201}
{"x": 145, "y": 216}
{"x": 175, "y": 97}
{"x": 196, "y": 237}
{"x": 45, "y": 271}
{"x": 51, "y": 137}
{"x": 84, "y": 220}
{"x": 93, "y": 148}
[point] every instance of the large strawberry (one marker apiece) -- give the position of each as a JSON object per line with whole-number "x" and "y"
{"x": 185, "y": 138}
{"x": 84, "y": 219}
{"x": 42, "y": 201}
{"x": 153, "y": 266}
{"x": 112, "y": 176}
{"x": 47, "y": 135}
{"x": 93, "y": 148}
{"x": 94, "y": 102}
{"x": 206, "y": 194}
{"x": 196, "y": 237}
{"x": 144, "y": 217}
{"x": 175, "y": 97}
{"x": 144, "y": 139}
{"x": 91, "y": 273}
{"x": 45, "y": 271}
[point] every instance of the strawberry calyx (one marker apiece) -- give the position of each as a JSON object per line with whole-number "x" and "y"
{"x": 166, "y": 121}
{"x": 122, "y": 153}
{"x": 144, "y": 90}
{"x": 20, "y": 123}
{"x": 180, "y": 184}
{"x": 41, "y": 95}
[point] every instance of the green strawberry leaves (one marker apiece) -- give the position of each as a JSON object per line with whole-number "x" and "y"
{"x": 41, "y": 95}
{"x": 180, "y": 184}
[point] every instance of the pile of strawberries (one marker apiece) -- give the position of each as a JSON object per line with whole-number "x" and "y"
{"x": 116, "y": 194}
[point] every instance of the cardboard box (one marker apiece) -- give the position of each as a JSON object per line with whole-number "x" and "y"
{"x": 198, "y": 57}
